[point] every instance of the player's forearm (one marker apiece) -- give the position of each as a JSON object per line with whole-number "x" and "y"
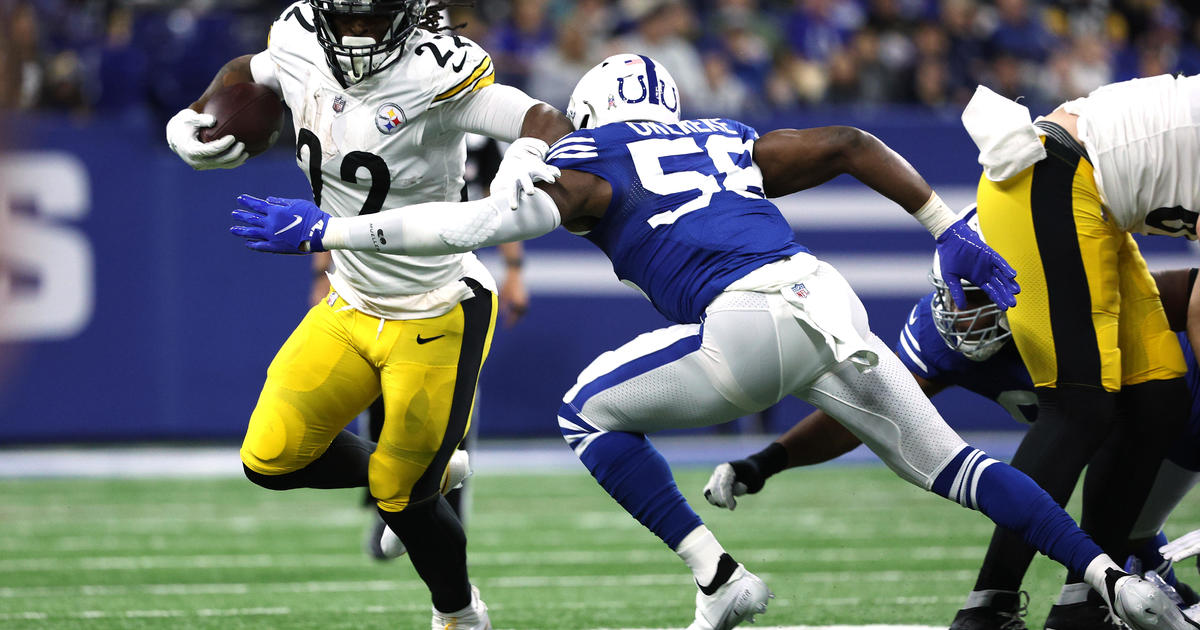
{"x": 432, "y": 229}
{"x": 819, "y": 438}
{"x": 815, "y": 439}
{"x": 236, "y": 71}
{"x": 875, "y": 164}
{"x": 792, "y": 160}
{"x": 545, "y": 123}
{"x": 514, "y": 256}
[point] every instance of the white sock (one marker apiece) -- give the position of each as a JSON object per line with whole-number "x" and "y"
{"x": 983, "y": 599}
{"x": 1074, "y": 593}
{"x": 1096, "y": 572}
{"x": 701, "y": 552}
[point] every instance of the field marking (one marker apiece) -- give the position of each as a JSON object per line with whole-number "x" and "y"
{"x": 479, "y": 558}
{"x": 285, "y": 610}
{"x": 756, "y": 627}
{"x": 873, "y": 627}
{"x": 513, "y": 582}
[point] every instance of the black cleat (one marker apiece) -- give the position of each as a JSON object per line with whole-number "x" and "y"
{"x": 1006, "y": 612}
{"x": 1090, "y": 614}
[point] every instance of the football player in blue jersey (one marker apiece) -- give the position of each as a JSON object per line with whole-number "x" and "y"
{"x": 680, "y": 208}
{"x": 944, "y": 346}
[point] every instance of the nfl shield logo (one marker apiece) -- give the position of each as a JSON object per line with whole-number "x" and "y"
{"x": 390, "y": 118}
{"x": 339, "y": 103}
{"x": 800, "y": 290}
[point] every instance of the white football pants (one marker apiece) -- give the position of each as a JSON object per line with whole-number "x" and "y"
{"x": 753, "y": 349}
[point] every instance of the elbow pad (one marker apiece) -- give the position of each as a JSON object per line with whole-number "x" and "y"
{"x": 495, "y": 223}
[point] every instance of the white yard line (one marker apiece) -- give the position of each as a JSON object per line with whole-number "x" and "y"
{"x": 492, "y": 457}
{"x": 482, "y": 558}
{"x": 815, "y": 628}
{"x": 515, "y": 582}
{"x": 284, "y": 611}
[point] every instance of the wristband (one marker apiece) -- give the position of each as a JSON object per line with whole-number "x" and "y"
{"x": 770, "y": 460}
{"x": 337, "y": 235}
{"x": 935, "y": 215}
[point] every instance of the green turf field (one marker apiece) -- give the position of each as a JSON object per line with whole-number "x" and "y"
{"x": 838, "y": 545}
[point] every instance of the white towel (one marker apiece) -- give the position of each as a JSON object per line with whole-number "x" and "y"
{"x": 1001, "y": 128}
{"x": 820, "y": 297}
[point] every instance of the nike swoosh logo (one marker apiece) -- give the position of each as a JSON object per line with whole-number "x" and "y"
{"x": 912, "y": 316}
{"x": 290, "y": 225}
{"x": 425, "y": 340}
{"x": 460, "y": 65}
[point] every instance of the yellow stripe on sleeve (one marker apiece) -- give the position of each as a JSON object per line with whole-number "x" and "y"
{"x": 484, "y": 68}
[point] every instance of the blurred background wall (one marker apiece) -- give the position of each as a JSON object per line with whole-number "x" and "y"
{"x": 127, "y": 313}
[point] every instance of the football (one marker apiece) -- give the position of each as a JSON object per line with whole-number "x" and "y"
{"x": 251, "y": 112}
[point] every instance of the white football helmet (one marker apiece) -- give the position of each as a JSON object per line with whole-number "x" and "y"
{"x": 624, "y": 87}
{"x": 977, "y": 332}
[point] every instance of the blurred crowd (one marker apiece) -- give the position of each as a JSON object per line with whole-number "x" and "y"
{"x": 733, "y": 57}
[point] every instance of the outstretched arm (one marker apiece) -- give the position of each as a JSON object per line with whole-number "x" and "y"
{"x": 796, "y": 159}
{"x": 792, "y": 160}
{"x": 297, "y": 226}
{"x": 509, "y": 115}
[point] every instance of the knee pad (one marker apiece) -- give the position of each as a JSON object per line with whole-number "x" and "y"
{"x": 393, "y": 481}
{"x": 271, "y": 443}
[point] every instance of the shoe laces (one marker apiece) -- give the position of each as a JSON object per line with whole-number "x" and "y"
{"x": 1015, "y": 619}
{"x": 1112, "y": 619}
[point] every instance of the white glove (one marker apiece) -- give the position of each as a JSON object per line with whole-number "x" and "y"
{"x": 523, "y": 165}
{"x": 183, "y": 137}
{"x": 1181, "y": 548}
{"x": 723, "y": 486}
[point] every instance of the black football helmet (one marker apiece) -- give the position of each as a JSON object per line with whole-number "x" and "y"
{"x": 353, "y": 59}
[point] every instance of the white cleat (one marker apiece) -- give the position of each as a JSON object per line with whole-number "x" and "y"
{"x": 1144, "y": 606}
{"x": 457, "y": 471}
{"x": 390, "y": 547}
{"x": 473, "y": 617}
{"x": 737, "y": 600}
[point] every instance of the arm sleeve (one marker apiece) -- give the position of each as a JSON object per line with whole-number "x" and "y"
{"x": 431, "y": 229}
{"x": 262, "y": 68}
{"x": 497, "y": 111}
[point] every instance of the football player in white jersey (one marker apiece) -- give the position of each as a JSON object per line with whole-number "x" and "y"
{"x": 381, "y": 102}
{"x": 758, "y": 317}
{"x": 1059, "y": 199}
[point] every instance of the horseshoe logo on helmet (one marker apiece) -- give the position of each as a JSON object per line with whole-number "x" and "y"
{"x": 621, "y": 90}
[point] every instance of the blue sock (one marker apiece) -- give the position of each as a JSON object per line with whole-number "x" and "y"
{"x": 1012, "y": 500}
{"x": 1152, "y": 560}
{"x": 634, "y": 473}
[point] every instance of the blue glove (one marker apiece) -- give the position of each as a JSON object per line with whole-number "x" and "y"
{"x": 965, "y": 256}
{"x": 280, "y": 226}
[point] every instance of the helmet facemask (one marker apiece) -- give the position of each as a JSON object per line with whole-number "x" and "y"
{"x": 977, "y": 332}
{"x": 354, "y": 58}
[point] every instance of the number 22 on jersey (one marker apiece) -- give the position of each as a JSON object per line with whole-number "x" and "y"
{"x": 381, "y": 177}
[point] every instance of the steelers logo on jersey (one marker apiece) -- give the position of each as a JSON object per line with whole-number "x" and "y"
{"x": 390, "y": 118}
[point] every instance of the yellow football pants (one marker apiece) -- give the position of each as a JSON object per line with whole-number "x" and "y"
{"x": 1089, "y": 312}
{"x": 338, "y": 360}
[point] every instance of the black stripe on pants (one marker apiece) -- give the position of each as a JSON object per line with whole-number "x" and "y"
{"x": 1070, "y": 303}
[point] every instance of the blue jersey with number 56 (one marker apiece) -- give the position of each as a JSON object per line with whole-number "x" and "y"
{"x": 688, "y": 214}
